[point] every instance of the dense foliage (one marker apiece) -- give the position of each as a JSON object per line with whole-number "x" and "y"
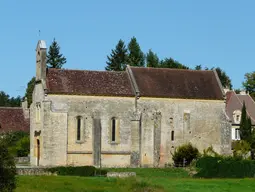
{"x": 7, "y": 101}
{"x": 7, "y": 168}
{"x": 184, "y": 155}
{"x": 85, "y": 171}
{"x": 18, "y": 143}
{"x": 241, "y": 149}
{"x": 224, "y": 167}
{"x": 29, "y": 91}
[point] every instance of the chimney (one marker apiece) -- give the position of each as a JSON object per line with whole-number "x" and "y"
{"x": 41, "y": 60}
{"x": 25, "y": 108}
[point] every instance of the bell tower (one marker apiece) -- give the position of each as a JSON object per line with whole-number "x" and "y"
{"x": 41, "y": 50}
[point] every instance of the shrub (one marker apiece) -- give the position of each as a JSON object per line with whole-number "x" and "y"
{"x": 224, "y": 167}
{"x": 210, "y": 152}
{"x": 241, "y": 149}
{"x": 18, "y": 143}
{"x": 184, "y": 155}
{"x": 85, "y": 171}
{"x": 7, "y": 168}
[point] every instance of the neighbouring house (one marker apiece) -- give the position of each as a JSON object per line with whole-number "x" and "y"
{"x": 133, "y": 118}
{"x": 14, "y": 119}
{"x": 234, "y": 104}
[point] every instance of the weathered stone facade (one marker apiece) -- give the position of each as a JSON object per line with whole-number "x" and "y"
{"x": 146, "y": 130}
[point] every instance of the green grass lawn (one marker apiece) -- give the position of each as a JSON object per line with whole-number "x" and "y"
{"x": 158, "y": 180}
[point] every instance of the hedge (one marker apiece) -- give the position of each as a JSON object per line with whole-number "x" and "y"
{"x": 224, "y": 167}
{"x": 85, "y": 171}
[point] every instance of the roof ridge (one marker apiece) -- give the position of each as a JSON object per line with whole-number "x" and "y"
{"x": 54, "y": 69}
{"x": 191, "y": 70}
{"x": 246, "y": 109}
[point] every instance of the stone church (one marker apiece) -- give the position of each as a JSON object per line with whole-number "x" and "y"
{"x": 134, "y": 118}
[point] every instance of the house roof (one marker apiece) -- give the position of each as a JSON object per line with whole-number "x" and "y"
{"x": 12, "y": 119}
{"x": 82, "y": 82}
{"x": 235, "y": 102}
{"x": 177, "y": 83}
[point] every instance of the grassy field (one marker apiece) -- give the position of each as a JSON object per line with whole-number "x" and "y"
{"x": 158, "y": 180}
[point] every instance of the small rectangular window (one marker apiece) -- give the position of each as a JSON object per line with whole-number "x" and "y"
{"x": 113, "y": 129}
{"x": 78, "y": 128}
{"x": 172, "y": 135}
{"x": 237, "y": 134}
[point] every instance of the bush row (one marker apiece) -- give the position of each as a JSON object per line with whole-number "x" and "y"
{"x": 224, "y": 167}
{"x": 84, "y": 171}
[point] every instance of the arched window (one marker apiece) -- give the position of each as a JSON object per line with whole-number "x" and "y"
{"x": 113, "y": 130}
{"x": 78, "y": 131}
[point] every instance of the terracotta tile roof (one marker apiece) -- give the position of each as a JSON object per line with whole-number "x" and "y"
{"x": 177, "y": 83}
{"x": 81, "y": 82}
{"x": 235, "y": 102}
{"x": 12, "y": 119}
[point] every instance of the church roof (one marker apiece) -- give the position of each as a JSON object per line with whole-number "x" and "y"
{"x": 177, "y": 83}
{"x": 151, "y": 82}
{"x": 235, "y": 102}
{"x": 12, "y": 119}
{"x": 82, "y": 82}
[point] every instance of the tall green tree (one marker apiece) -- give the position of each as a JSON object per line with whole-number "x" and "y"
{"x": 54, "y": 58}
{"x": 117, "y": 60}
{"x": 29, "y": 91}
{"x": 249, "y": 84}
{"x": 245, "y": 126}
{"x": 171, "y": 63}
{"x": 152, "y": 59}
{"x": 135, "y": 54}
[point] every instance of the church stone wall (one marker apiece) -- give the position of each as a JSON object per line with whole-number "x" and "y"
{"x": 103, "y": 109}
{"x": 203, "y": 123}
{"x": 143, "y": 138}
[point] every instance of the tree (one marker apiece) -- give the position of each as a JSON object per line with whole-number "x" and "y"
{"x": 225, "y": 80}
{"x": 29, "y": 91}
{"x": 117, "y": 60}
{"x": 135, "y": 54}
{"x": 249, "y": 84}
{"x": 6, "y": 101}
{"x": 198, "y": 67}
{"x": 152, "y": 59}
{"x": 7, "y": 168}
{"x": 245, "y": 126}
{"x": 54, "y": 58}
{"x": 171, "y": 63}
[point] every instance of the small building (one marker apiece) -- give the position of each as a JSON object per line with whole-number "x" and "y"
{"x": 132, "y": 118}
{"x": 14, "y": 119}
{"x": 234, "y": 104}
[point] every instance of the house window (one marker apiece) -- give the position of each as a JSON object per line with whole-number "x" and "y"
{"x": 78, "y": 134}
{"x": 172, "y": 135}
{"x": 113, "y": 130}
{"x": 237, "y": 118}
{"x": 237, "y": 134}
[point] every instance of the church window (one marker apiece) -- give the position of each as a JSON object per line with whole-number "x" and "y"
{"x": 113, "y": 131}
{"x": 38, "y": 112}
{"x": 186, "y": 120}
{"x": 172, "y": 135}
{"x": 78, "y": 136}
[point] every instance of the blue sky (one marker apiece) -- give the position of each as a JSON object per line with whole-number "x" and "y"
{"x": 210, "y": 33}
